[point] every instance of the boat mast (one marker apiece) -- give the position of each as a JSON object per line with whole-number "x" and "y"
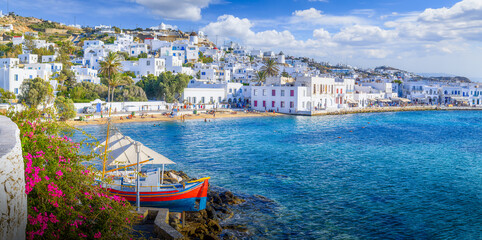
{"x": 106, "y": 143}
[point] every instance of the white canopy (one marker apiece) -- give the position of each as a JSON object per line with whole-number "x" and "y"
{"x": 97, "y": 101}
{"x": 123, "y": 152}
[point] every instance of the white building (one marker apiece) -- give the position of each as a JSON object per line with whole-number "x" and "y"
{"x": 49, "y": 58}
{"x": 145, "y": 66}
{"x": 92, "y": 43}
{"x": 303, "y": 96}
{"x": 6, "y": 27}
{"x": 28, "y": 58}
{"x": 12, "y": 76}
{"x": 16, "y": 40}
{"x": 85, "y": 74}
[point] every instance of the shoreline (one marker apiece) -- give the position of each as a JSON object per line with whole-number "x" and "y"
{"x": 158, "y": 117}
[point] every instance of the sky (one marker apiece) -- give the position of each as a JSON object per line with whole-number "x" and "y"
{"x": 421, "y": 36}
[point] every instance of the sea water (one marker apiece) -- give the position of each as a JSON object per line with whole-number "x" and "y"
{"x": 406, "y": 175}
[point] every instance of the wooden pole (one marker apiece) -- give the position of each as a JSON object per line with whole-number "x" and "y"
{"x": 183, "y": 218}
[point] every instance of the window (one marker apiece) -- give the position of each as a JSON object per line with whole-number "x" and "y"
{"x": 273, "y": 103}
{"x": 292, "y": 104}
{"x": 202, "y": 99}
{"x": 282, "y": 104}
{"x": 314, "y": 88}
{"x": 282, "y": 93}
{"x": 230, "y": 90}
{"x": 273, "y": 93}
{"x": 211, "y": 100}
{"x": 337, "y": 90}
{"x": 264, "y": 103}
{"x": 16, "y": 91}
{"x": 255, "y": 92}
{"x": 264, "y": 92}
{"x": 203, "y": 73}
{"x": 194, "y": 100}
{"x": 219, "y": 99}
{"x": 292, "y": 93}
{"x": 341, "y": 91}
{"x": 15, "y": 77}
{"x": 148, "y": 63}
{"x": 255, "y": 103}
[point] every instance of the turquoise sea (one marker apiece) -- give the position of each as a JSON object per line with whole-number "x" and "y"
{"x": 407, "y": 175}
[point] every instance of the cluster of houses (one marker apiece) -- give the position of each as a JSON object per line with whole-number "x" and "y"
{"x": 230, "y": 76}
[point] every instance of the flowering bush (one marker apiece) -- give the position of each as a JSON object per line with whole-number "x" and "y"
{"x": 64, "y": 201}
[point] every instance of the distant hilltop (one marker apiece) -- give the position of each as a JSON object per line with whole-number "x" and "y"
{"x": 30, "y": 24}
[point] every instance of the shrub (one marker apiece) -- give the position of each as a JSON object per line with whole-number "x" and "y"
{"x": 65, "y": 108}
{"x": 64, "y": 201}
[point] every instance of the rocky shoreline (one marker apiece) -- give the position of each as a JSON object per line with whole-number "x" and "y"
{"x": 210, "y": 223}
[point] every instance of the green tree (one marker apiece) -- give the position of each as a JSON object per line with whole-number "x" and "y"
{"x": 35, "y": 92}
{"x": 260, "y": 76}
{"x": 115, "y": 81}
{"x": 285, "y": 74}
{"x": 207, "y": 60}
{"x": 6, "y": 95}
{"x": 167, "y": 86}
{"x": 65, "y": 108}
{"x": 42, "y": 52}
{"x": 142, "y": 55}
{"x": 270, "y": 68}
{"x": 130, "y": 93}
{"x": 109, "y": 67}
{"x": 116, "y": 29}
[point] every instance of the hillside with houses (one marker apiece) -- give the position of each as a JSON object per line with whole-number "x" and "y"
{"x": 172, "y": 66}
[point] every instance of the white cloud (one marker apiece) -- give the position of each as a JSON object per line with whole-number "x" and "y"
{"x": 163, "y": 26}
{"x": 408, "y": 39}
{"x": 462, "y": 21}
{"x": 363, "y": 35}
{"x": 229, "y": 26}
{"x": 315, "y": 16}
{"x": 179, "y": 9}
{"x": 321, "y": 34}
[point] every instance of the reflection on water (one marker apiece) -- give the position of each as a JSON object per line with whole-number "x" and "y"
{"x": 410, "y": 175}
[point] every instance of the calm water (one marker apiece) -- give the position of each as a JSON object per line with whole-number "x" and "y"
{"x": 411, "y": 175}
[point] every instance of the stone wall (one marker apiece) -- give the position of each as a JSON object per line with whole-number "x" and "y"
{"x": 13, "y": 200}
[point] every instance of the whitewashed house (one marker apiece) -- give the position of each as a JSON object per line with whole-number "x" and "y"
{"x": 145, "y": 66}
{"x": 85, "y": 74}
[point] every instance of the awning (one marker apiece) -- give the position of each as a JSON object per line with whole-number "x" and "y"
{"x": 397, "y": 99}
{"x": 460, "y": 99}
{"x": 122, "y": 151}
{"x": 384, "y": 100}
{"x": 351, "y": 101}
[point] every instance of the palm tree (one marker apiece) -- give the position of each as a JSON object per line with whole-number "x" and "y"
{"x": 260, "y": 76}
{"x": 110, "y": 67}
{"x": 115, "y": 81}
{"x": 270, "y": 68}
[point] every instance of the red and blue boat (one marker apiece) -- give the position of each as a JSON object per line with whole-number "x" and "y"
{"x": 190, "y": 196}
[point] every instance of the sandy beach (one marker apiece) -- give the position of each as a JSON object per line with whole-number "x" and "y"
{"x": 157, "y": 117}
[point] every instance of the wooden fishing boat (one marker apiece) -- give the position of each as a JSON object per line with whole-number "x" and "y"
{"x": 189, "y": 196}
{"x": 147, "y": 189}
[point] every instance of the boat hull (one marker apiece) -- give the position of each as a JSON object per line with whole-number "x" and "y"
{"x": 190, "y": 198}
